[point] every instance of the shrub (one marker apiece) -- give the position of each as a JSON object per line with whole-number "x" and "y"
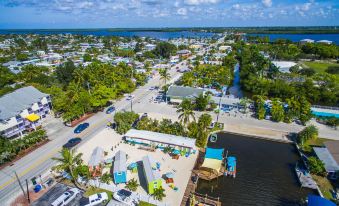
{"x": 316, "y": 166}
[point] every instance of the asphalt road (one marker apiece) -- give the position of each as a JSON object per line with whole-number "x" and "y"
{"x": 39, "y": 161}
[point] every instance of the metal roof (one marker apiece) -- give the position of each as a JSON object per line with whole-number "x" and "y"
{"x": 161, "y": 138}
{"x": 324, "y": 155}
{"x": 120, "y": 162}
{"x": 97, "y": 157}
{"x": 151, "y": 175}
{"x": 333, "y": 148}
{"x": 14, "y": 103}
{"x": 184, "y": 92}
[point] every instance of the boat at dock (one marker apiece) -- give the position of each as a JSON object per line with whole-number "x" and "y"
{"x": 231, "y": 166}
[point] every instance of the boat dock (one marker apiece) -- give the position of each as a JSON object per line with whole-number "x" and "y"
{"x": 191, "y": 186}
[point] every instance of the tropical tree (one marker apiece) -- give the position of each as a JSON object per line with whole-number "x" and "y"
{"x": 201, "y": 101}
{"x": 132, "y": 185}
{"x": 159, "y": 194}
{"x": 185, "y": 110}
{"x": 309, "y": 132}
{"x": 260, "y": 106}
{"x": 277, "y": 110}
{"x": 68, "y": 162}
{"x": 106, "y": 178}
{"x": 124, "y": 121}
{"x": 316, "y": 166}
{"x": 244, "y": 102}
{"x": 164, "y": 75}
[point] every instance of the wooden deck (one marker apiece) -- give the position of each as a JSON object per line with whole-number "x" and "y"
{"x": 190, "y": 189}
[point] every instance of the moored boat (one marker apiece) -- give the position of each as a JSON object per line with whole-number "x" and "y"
{"x": 231, "y": 165}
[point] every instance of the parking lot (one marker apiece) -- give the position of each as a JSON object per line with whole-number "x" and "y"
{"x": 49, "y": 197}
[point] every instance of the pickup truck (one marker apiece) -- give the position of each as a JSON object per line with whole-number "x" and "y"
{"x": 94, "y": 199}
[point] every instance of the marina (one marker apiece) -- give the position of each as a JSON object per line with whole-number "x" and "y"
{"x": 265, "y": 173}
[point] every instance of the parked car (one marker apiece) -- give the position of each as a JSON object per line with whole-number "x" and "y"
{"x": 72, "y": 142}
{"x": 212, "y": 125}
{"x": 151, "y": 88}
{"x": 94, "y": 199}
{"x": 81, "y": 127}
{"x": 110, "y": 110}
{"x": 67, "y": 197}
{"x": 124, "y": 196}
{"x": 130, "y": 97}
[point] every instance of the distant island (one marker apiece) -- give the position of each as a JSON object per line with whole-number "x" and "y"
{"x": 249, "y": 30}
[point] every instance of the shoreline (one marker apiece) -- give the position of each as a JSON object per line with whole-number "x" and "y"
{"x": 257, "y": 137}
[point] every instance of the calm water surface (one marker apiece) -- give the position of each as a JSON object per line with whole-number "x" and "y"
{"x": 105, "y": 32}
{"x": 265, "y": 173}
{"x": 297, "y": 37}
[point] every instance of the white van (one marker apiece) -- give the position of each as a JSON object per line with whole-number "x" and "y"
{"x": 94, "y": 199}
{"x": 67, "y": 197}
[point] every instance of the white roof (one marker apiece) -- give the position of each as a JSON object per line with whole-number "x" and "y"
{"x": 161, "y": 138}
{"x": 325, "y": 41}
{"x": 307, "y": 40}
{"x": 284, "y": 66}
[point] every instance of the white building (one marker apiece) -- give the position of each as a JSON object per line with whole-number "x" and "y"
{"x": 324, "y": 42}
{"x": 150, "y": 47}
{"x": 23, "y": 110}
{"x": 284, "y": 66}
{"x": 305, "y": 41}
{"x": 225, "y": 48}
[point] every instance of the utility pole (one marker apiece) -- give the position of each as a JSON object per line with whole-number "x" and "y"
{"x": 29, "y": 200}
{"x": 17, "y": 178}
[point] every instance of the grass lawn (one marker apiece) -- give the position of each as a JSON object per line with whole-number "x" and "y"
{"x": 319, "y": 66}
{"x": 94, "y": 190}
{"x": 142, "y": 203}
{"x": 325, "y": 186}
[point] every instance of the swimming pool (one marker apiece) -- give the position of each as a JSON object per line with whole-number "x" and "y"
{"x": 324, "y": 114}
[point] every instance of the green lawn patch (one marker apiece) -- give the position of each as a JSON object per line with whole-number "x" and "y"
{"x": 319, "y": 67}
{"x": 325, "y": 186}
{"x": 142, "y": 203}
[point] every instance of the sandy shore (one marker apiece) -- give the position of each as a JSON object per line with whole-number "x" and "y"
{"x": 181, "y": 168}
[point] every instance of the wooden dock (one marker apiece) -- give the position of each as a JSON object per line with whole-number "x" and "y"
{"x": 191, "y": 187}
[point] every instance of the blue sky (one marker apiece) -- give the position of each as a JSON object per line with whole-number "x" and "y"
{"x": 166, "y": 13}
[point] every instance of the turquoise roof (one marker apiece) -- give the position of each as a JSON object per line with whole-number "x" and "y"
{"x": 213, "y": 153}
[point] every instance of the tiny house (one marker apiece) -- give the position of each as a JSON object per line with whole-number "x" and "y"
{"x": 120, "y": 168}
{"x": 152, "y": 175}
{"x": 95, "y": 162}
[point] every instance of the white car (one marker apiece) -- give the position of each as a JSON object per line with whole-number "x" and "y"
{"x": 130, "y": 97}
{"x": 67, "y": 197}
{"x": 124, "y": 196}
{"x": 94, "y": 199}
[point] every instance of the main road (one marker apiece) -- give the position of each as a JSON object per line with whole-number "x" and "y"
{"x": 40, "y": 161}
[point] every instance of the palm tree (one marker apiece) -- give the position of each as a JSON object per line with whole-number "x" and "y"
{"x": 186, "y": 111}
{"x": 159, "y": 194}
{"x": 132, "y": 185}
{"x": 68, "y": 162}
{"x": 164, "y": 75}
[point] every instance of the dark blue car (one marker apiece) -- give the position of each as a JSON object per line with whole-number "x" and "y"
{"x": 72, "y": 142}
{"x": 81, "y": 127}
{"x": 110, "y": 110}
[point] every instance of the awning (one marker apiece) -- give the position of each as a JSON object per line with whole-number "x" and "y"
{"x": 212, "y": 164}
{"x": 33, "y": 117}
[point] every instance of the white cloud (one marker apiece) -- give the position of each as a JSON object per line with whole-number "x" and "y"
{"x": 182, "y": 11}
{"x": 267, "y": 3}
{"x": 198, "y": 2}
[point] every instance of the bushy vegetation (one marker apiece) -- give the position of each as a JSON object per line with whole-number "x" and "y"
{"x": 308, "y": 133}
{"x": 207, "y": 75}
{"x": 124, "y": 121}
{"x": 316, "y": 166}
{"x": 260, "y": 77}
{"x": 164, "y": 126}
{"x": 10, "y": 149}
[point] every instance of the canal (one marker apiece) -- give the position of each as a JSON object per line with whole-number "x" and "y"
{"x": 265, "y": 173}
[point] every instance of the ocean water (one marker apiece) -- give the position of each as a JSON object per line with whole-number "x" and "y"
{"x": 107, "y": 32}
{"x": 265, "y": 173}
{"x": 297, "y": 37}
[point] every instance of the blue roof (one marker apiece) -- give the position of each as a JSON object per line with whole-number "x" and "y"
{"x": 314, "y": 200}
{"x": 213, "y": 153}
